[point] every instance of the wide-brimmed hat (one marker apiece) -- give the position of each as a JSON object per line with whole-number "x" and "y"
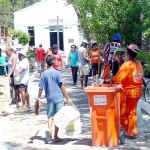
{"x": 22, "y": 53}
{"x": 133, "y": 47}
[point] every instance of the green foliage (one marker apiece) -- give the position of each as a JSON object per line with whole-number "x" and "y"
{"x": 23, "y": 37}
{"x": 100, "y": 19}
{"x": 144, "y": 55}
{"x": 8, "y": 7}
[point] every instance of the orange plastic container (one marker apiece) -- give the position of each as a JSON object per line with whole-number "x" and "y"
{"x": 104, "y": 101}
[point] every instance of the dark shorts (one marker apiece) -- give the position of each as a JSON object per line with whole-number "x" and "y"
{"x": 23, "y": 86}
{"x": 95, "y": 69}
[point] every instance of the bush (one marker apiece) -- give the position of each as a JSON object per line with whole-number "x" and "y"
{"x": 144, "y": 55}
{"x": 23, "y": 37}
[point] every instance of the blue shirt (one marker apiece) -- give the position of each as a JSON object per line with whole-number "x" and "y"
{"x": 50, "y": 80}
{"x": 74, "y": 58}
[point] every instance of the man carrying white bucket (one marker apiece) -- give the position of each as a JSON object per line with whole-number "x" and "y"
{"x": 51, "y": 82}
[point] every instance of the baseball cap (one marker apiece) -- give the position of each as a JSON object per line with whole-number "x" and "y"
{"x": 119, "y": 50}
{"x": 117, "y": 37}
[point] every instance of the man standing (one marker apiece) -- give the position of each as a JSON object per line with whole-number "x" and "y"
{"x": 22, "y": 78}
{"x": 84, "y": 64}
{"x": 40, "y": 55}
{"x": 110, "y": 48}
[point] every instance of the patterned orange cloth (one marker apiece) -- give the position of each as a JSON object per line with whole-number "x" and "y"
{"x": 106, "y": 73}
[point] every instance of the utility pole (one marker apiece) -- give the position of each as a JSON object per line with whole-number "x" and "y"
{"x": 58, "y": 32}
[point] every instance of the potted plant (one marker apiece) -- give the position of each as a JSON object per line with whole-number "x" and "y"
{"x": 23, "y": 37}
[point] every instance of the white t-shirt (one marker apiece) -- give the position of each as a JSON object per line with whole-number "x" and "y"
{"x": 23, "y": 78}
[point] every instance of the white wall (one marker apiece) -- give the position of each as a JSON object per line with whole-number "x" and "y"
{"x": 39, "y": 14}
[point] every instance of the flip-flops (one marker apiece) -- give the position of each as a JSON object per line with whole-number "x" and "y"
{"x": 58, "y": 140}
{"x": 48, "y": 136}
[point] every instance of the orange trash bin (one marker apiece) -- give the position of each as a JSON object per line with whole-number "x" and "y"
{"x": 104, "y": 101}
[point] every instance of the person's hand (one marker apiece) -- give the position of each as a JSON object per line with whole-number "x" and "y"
{"x": 8, "y": 75}
{"x": 62, "y": 68}
{"x": 69, "y": 101}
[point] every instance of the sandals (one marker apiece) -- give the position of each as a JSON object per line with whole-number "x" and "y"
{"x": 48, "y": 136}
{"x": 58, "y": 140}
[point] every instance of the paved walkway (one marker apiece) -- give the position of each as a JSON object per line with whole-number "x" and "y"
{"x": 26, "y": 131}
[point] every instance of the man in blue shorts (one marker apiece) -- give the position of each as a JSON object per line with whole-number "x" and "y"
{"x": 51, "y": 82}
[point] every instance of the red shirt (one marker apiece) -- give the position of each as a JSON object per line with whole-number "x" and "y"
{"x": 40, "y": 54}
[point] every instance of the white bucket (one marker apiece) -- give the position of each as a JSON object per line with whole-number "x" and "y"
{"x": 65, "y": 115}
{"x": 74, "y": 128}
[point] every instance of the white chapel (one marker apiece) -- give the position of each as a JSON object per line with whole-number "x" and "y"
{"x": 50, "y": 22}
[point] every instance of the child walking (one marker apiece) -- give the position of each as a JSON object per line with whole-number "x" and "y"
{"x": 51, "y": 82}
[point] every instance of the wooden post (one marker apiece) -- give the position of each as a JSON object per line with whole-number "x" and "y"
{"x": 7, "y": 41}
{"x": 99, "y": 63}
{"x": 111, "y": 75}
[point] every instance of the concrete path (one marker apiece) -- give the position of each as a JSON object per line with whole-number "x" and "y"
{"x": 26, "y": 131}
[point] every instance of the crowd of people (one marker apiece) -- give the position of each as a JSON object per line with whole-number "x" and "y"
{"x": 111, "y": 63}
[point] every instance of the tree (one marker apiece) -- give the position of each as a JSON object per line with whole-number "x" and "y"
{"x": 100, "y": 19}
{"x": 8, "y": 7}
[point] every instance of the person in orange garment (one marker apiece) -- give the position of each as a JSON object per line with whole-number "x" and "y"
{"x": 130, "y": 76}
{"x": 48, "y": 52}
{"x": 94, "y": 57}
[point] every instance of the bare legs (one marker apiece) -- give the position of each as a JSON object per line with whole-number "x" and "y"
{"x": 17, "y": 95}
{"x": 25, "y": 97}
{"x": 94, "y": 78}
{"x": 50, "y": 122}
{"x": 84, "y": 81}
